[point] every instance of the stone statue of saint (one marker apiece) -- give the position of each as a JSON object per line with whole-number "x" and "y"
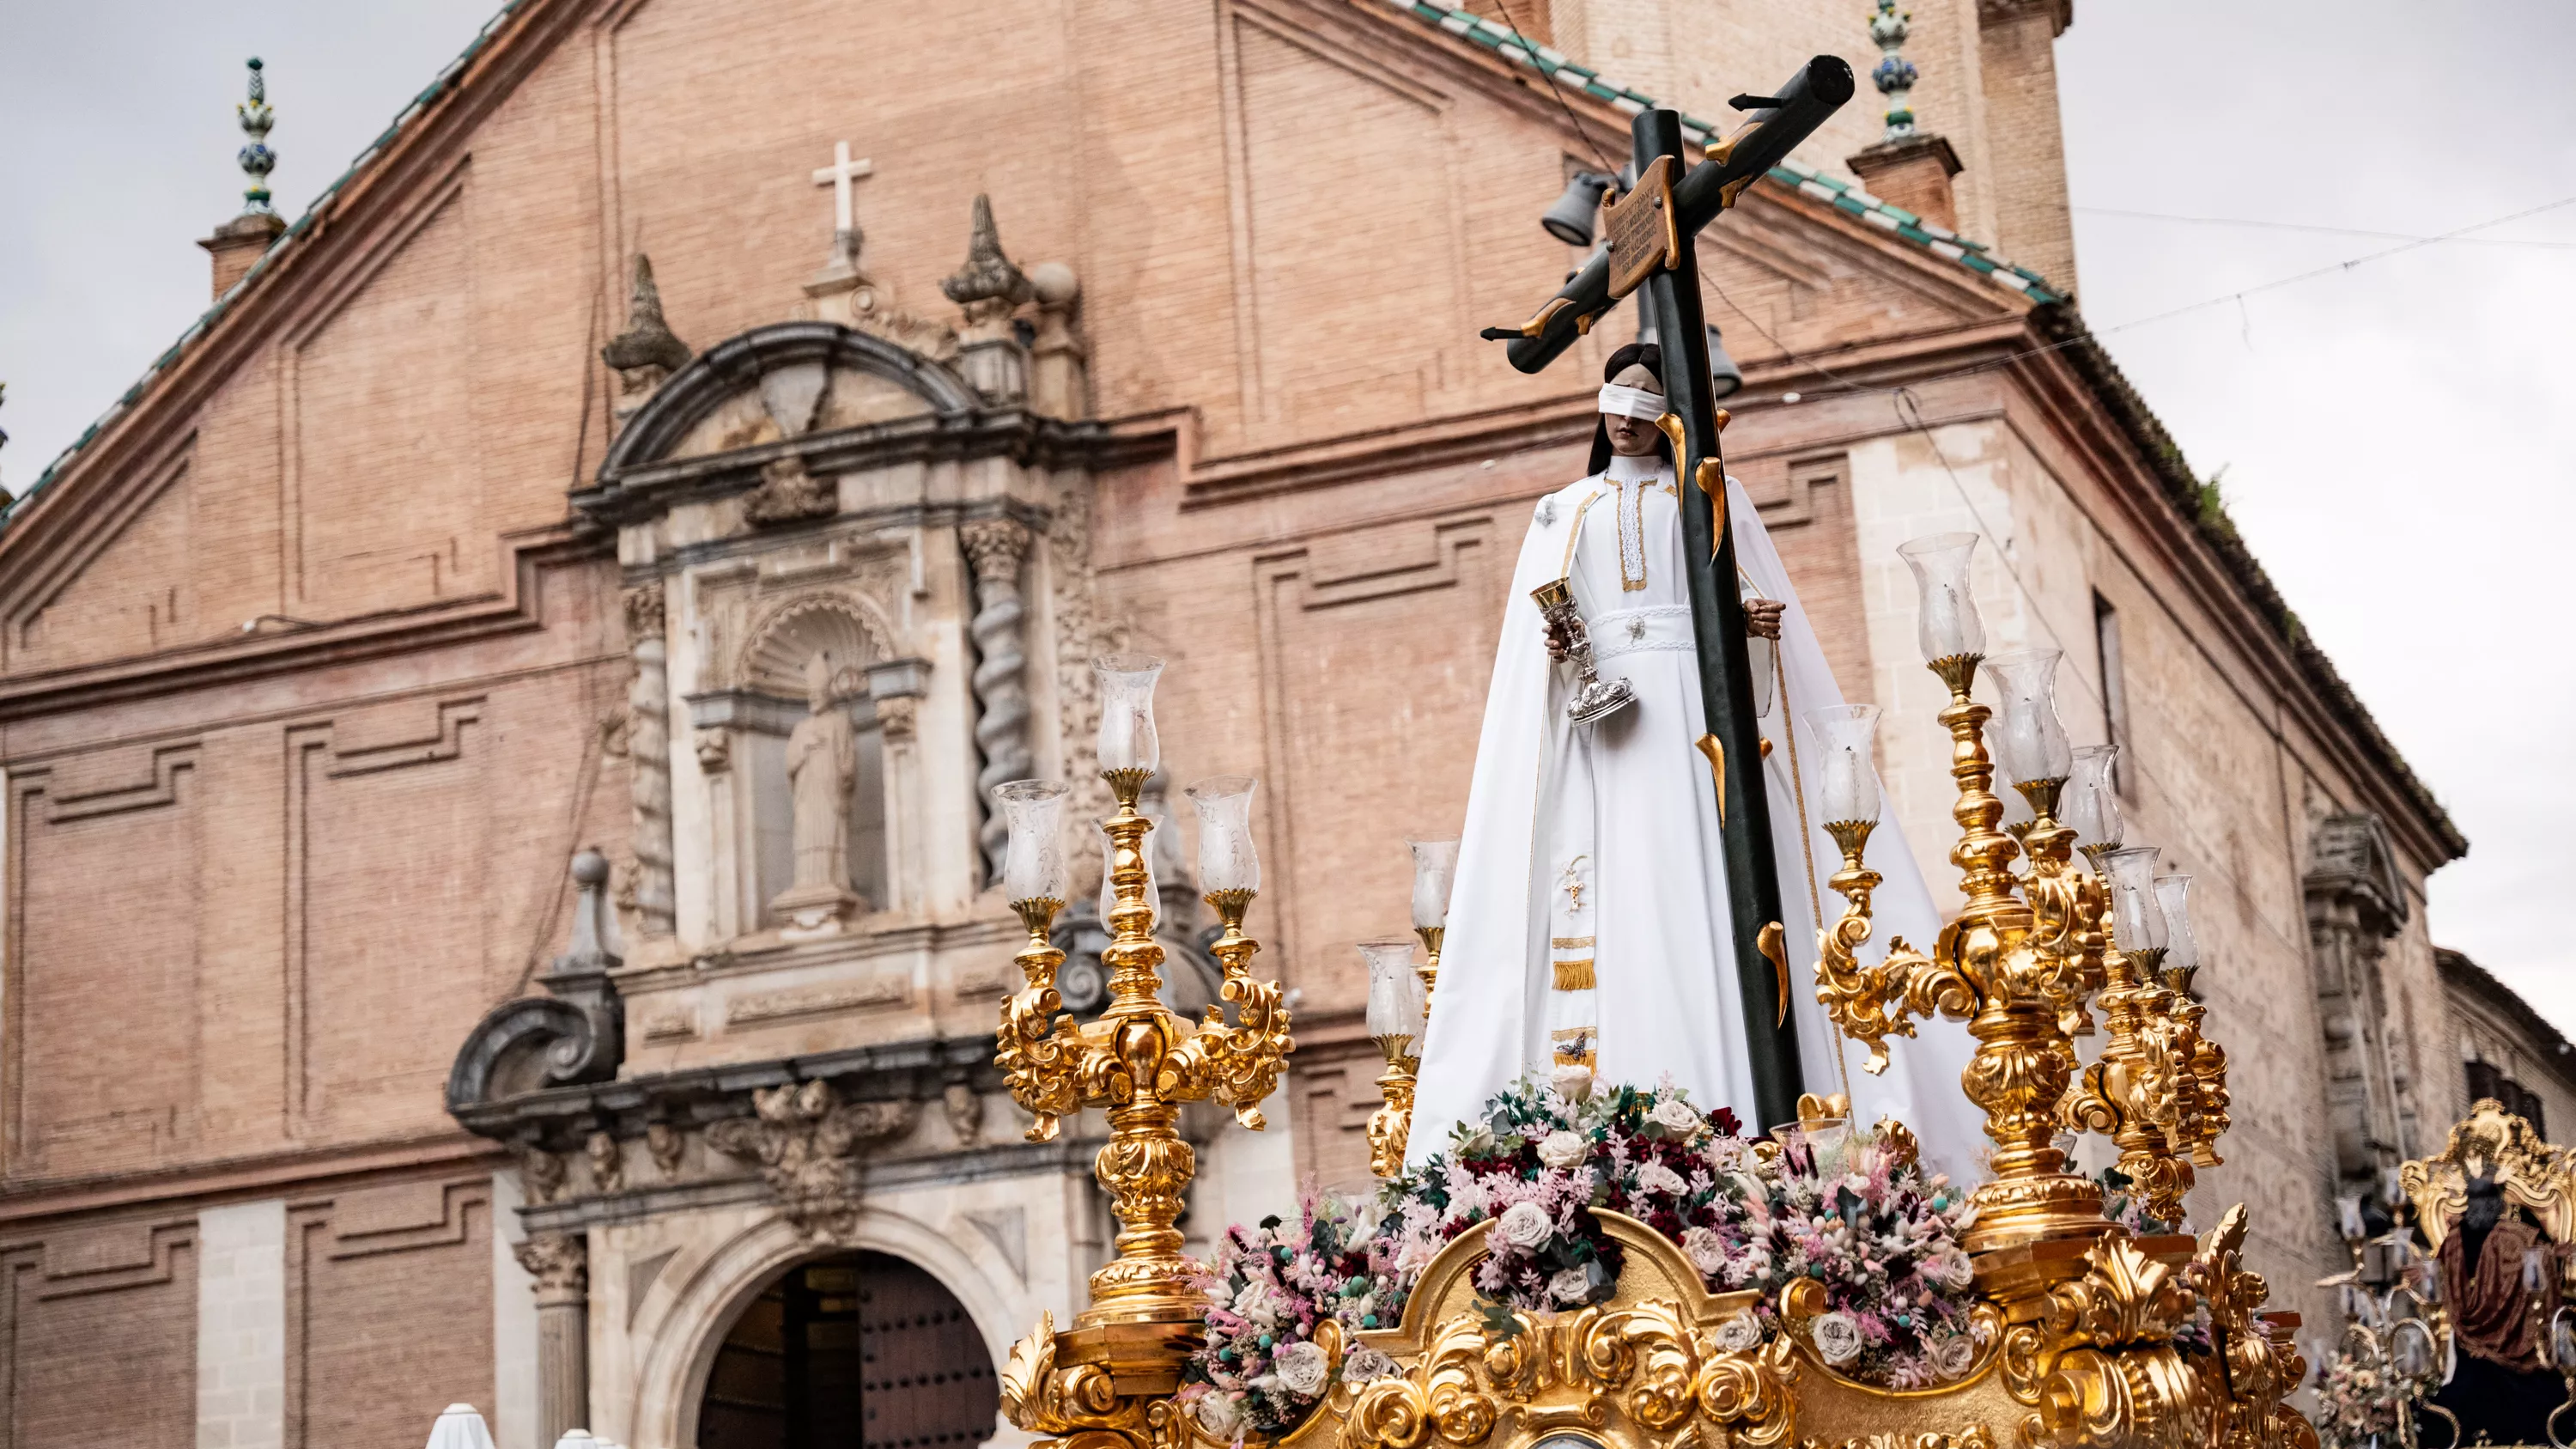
{"x": 822, "y": 765}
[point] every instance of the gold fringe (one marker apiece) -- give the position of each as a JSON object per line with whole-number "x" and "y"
{"x": 1574, "y": 975}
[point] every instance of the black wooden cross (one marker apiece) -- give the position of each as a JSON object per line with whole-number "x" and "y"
{"x": 1653, "y": 248}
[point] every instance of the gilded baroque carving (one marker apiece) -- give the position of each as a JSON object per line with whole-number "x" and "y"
{"x": 2262, "y": 1368}
{"x": 806, "y": 1142}
{"x": 2491, "y": 1141}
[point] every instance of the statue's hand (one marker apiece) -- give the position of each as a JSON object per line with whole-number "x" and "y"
{"x": 1762, "y": 618}
{"x": 1557, "y": 642}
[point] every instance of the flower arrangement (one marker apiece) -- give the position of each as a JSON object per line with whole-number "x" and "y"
{"x": 1853, "y": 1211}
{"x": 2358, "y": 1401}
{"x": 1849, "y": 1210}
{"x": 1262, "y": 1369}
{"x": 1538, "y": 1163}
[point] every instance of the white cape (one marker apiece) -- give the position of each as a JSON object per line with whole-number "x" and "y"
{"x": 1489, "y": 1013}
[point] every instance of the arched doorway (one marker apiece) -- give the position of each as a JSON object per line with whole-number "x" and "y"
{"x": 854, "y": 1351}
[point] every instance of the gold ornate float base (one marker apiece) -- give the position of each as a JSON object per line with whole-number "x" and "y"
{"x": 1666, "y": 1363}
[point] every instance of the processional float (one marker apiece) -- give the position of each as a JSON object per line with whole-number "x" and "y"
{"x": 2074, "y": 1330}
{"x": 2457, "y": 1324}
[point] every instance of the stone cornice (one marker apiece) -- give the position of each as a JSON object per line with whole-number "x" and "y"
{"x": 561, "y": 1119}
{"x": 644, "y": 491}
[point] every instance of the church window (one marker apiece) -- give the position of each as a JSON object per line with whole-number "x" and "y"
{"x": 2486, "y": 1080}
{"x": 2115, "y": 696}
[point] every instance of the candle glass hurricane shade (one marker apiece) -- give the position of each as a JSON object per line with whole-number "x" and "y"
{"x": 2173, "y": 900}
{"x": 1435, "y": 869}
{"x": 1847, "y": 785}
{"x": 1948, "y": 626}
{"x": 1395, "y": 992}
{"x": 1228, "y": 861}
{"x": 1034, "y": 866}
{"x": 2137, "y": 920}
{"x": 2030, "y": 741}
{"x": 2090, "y": 804}
{"x": 1129, "y": 747}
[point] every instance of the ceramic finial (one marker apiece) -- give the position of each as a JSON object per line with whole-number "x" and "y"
{"x": 1894, "y": 75}
{"x": 256, "y": 159}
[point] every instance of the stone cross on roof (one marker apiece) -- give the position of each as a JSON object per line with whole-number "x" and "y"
{"x": 845, "y": 222}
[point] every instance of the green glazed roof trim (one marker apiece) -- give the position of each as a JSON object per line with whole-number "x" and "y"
{"x": 1832, "y": 190}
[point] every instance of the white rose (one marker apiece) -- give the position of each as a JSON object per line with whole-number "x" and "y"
{"x": 1706, "y": 1250}
{"x": 1836, "y": 1337}
{"x": 1478, "y": 1142}
{"x": 1258, "y": 1304}
{"x": 1572, "y": 1083}
{"x": 1563, "y": 1149}
{"x": 1302, "y": 1368}
{"x": 1218, "y": 1414}
{"x": 1525, "y": 1225}
{"x": 1954, "y": 1355}
{"x": 1676, "y": 1117}
{"x": 1569, "y": 1285}
{"x": 1364, "y": 1364}
{"x": 1415, "y": 1255}
{"x": 1951, "y": 1269}
{"x": 1740, "y": 1334}
{"x": 1655, "y": 1177}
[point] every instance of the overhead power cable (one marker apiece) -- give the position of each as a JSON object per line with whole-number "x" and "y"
{"x": 2483, "y": 241}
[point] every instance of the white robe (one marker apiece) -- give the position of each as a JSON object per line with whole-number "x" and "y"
{"x": 1627, "y": 804}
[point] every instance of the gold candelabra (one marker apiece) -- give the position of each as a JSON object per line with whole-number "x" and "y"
{"x": 2027, "y": 959}
{"x": 1400, "y": 1009}
{"x": 1140, "y": 1061}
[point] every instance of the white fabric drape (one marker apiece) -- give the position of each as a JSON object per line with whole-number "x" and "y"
{"x": 1633, "y": 794}
{"x": 1921, "y": 1084}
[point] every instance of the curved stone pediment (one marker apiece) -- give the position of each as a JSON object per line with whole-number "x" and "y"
{"x": 784, "y": 381}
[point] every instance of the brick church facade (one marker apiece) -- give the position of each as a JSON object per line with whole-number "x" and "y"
{"x": 458, "y": 541}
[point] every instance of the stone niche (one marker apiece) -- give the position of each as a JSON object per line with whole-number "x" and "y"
{"x": 843, "y": 586}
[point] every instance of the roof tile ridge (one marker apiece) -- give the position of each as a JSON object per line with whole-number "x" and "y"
{"x": 1835, "y": 191}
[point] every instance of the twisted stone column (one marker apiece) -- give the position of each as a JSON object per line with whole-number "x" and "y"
{"x": 560, "y": 1262}
{"x": 648, "y": 753}
{"x": 995, "y": 547}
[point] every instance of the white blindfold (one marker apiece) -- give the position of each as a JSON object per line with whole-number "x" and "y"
{"x": 1632, "y": 402}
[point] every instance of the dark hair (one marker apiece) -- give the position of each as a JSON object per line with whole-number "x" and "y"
{"x": 1636, "y": 354}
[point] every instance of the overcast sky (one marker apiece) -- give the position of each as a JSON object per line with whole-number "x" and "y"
{"x": 2395, "y": 437}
